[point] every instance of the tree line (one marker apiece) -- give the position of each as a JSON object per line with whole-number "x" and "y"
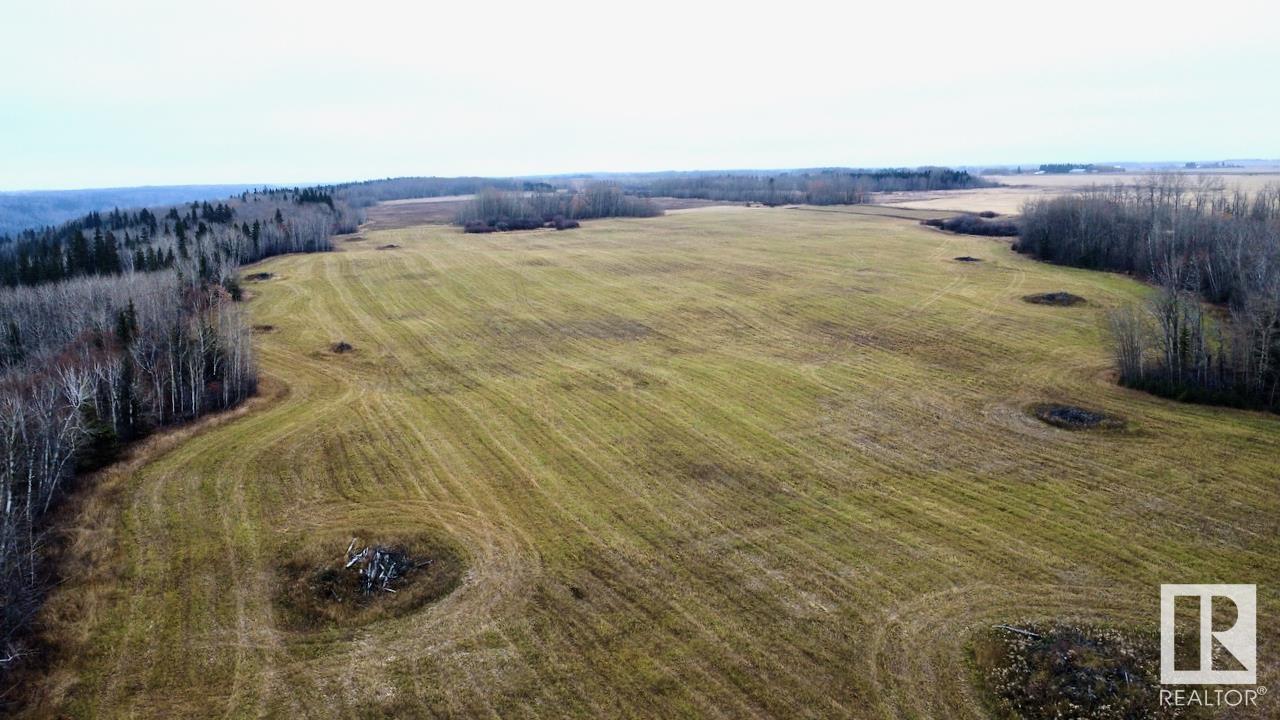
{"x": 1196, "y": 244}
{"x": 87, "y": 365}
{"x": 118, "y": 323}
{"x": 25, "y": 209}
{"x": 1063, "y": 168}
{"x": 811, "y": 187}
{"x": 498, "y": 210}
{"x": 364, "y": 194}
{"x": 246, "y": 228}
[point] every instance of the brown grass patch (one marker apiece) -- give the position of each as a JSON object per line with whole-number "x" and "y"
{"x": 522, "y": 332}
{"x": 414, "y": 211}
{"x": 671, "y": 203}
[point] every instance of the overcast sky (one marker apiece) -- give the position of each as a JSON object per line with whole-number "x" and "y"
{"x": 134, "y": 92}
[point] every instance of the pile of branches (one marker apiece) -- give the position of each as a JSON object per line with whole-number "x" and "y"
{"x": 379, "y": 567}
{"x": 1056, "y": 671}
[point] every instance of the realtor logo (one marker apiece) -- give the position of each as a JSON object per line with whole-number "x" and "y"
{"x": 1240, "y": 640}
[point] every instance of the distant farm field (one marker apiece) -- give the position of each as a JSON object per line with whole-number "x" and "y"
{"x": 1018, "y": 189}
{"x": 729, "y": 462}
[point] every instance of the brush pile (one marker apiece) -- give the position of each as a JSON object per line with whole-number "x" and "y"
{"x": 379, "y": 567}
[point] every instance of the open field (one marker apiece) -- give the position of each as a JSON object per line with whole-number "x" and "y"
{"x": 1248, "y": 180}
{"x": 392, "y": 214}
{"x": 1007, "y": 200}
{"x": 730, "y": 462}
{"x": 1020, "y": 188}
{"x": 888, "y": 211}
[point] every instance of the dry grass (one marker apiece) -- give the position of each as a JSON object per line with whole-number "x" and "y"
{"x": 392, "y": 214}
{"x": 724, "y": 463}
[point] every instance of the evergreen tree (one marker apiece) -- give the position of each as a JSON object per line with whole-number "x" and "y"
{"x": 81, "y": 259}
{"x": 127, "y": 325}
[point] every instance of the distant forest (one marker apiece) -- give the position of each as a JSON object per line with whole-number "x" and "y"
{"x": 835, "y": 186}
{"x": 248, "y": 226}
{"x": 371, "y": 192}
{"x": 242, "y": 229}
{"x": 1059, "y": 168}
{"x": 26, "y": 209}
{"x": 1195, "y": 244}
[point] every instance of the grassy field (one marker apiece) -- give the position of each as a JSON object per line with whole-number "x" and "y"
{"x": 730, "y": 462}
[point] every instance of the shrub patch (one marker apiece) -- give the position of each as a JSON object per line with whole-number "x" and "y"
{"x": 1061, "y": 299}
{"x": 975, "y": 225}
{"x": 1048, "y": 671}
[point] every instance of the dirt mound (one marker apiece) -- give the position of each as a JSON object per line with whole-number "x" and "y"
{"x": 968, "y": 258}
{"x": 336, "y": 583}
{"x": 1061, "y": 299}
{"x": 259, "y": 276}
{"x": 354, "y": 238}
{"x": 1057, "y": 670}
{"x": 340, "y": 347}
{"x": 1070, "y": 417}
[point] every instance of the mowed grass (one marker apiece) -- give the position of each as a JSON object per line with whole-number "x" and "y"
{"x": 728, "y": 463}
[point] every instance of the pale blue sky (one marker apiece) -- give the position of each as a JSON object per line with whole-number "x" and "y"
{"x": 135, "y": 92}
